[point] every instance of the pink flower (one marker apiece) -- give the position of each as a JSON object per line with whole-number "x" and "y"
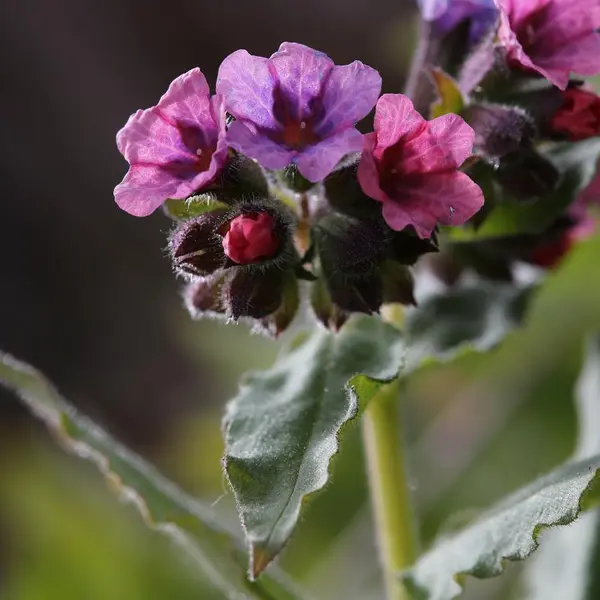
{"x": 410, "y": 165}
{"x": 174, "y": 148}
{"x": 296, "y": 107}
{"x": 251, "y": 236}
{"x": 552, "y": 37}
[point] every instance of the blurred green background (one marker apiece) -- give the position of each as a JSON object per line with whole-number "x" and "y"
{"x": 88, "y": 297}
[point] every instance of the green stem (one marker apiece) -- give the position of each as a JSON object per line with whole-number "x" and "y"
{"x": 390, "y": 494}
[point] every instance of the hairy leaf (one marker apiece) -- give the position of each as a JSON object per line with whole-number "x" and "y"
{"x": 576, "y": 163}
{"x": 507, "y": 532}
{"x": 163, "y": 506}
{"x": 283, "y": 427}
{"x": 568, "y": 563}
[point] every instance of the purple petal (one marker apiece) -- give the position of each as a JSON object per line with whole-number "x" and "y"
{"x": 448, "y": 198}
{"x": 247, "y": 140}
{"x": 349, "y": 94}
{"x": 300, "y": 72}
{"x": 319, "y": 160}
{"x": 247, "y": 85}
{"x": 395, "y": 117}
{"x": 431, "y": 10}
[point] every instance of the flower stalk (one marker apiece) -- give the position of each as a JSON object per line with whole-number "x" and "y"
{"x": 391, "y": 500}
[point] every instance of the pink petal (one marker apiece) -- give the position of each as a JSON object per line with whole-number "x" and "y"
{"x": 316, "y": 162}
{"x": 368, "y": 175}
{"x": 247, "y": 85}
{"x": 350, "y": 93}
{"x": 152, "y": 135}
{"x": 247, "y": 140}
{"x": 395, "y": 117}
{"x": 447, "y": 198}
{"x": 443, "y": 145}
{"x": 301, "y": 72}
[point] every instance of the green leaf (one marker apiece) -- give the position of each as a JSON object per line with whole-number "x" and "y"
{"x": 180, "y": 210}
{"x": 450, "y": 98}
{"x": 476, "y": 315}
{"x": 163, "y": 506}
{"x": 510, "y": 531}
{"x": 576, "y": 548}
{"x": 283, "y": 427}
{"x": 577, "y": 164}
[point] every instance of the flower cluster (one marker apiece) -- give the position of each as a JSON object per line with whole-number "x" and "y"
{"x": 272, "y": 183}
{"x": 269, "y": 174}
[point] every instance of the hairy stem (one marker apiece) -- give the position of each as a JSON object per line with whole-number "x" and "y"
{"x": 390, "y": 494}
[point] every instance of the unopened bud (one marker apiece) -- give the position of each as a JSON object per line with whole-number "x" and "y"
{"x": 579, "y": 116}
{"x": 280, "y": 320}
{"x": 203, "y": 297}
{"x": 500, "y": 130}
{"x": 251, "y": 237}
{"x": 252, "y": 292}
{"x": 195, "y": 247}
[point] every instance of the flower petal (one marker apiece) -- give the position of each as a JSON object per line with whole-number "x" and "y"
{"x": 316, "y": 162}
{"x": 247, "y": 140}
{"x": 444, "y": 145}
{"x": 300, "y": 72}
{"x": 395, "y": 117}
{"x": 247, "y": 86}
{"x": 367, "y": 173}
{"x": 349, "y": 94}
{"x": 155, "y": 135}
{"x": 447, "y": 198}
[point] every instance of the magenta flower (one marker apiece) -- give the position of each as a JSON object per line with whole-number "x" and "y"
{"x": 410, "y": 165}
{"x": 296, "y": 107}
{"x": 174, "y": 148}
{"x": 552, "y": 37}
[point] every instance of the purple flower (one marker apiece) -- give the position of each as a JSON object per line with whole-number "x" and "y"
{"x": 174, "y": 148}
{"x": 552, "y": 37}
{"x": 447, "y": 14}
{"x": 296, "y": 107}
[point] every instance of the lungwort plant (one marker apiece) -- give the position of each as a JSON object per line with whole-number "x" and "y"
{"x": 368, "y": 257}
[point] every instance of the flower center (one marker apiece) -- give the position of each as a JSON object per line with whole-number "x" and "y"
{"x": 298, "y": 134}
{"x": 527, "y": 33}
{"x": 251, "y": 237}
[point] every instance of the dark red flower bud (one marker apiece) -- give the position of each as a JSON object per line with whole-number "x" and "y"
{"x": 579, "y": 116}
{"x": 251, "y": 237}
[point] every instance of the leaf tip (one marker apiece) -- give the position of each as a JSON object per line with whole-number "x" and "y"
{"x": 260, "y": 559}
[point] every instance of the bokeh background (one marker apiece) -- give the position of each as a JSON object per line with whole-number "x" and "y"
{"x": 88, "y": 297}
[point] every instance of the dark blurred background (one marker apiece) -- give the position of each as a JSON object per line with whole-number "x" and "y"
{"x": 88, "y": 297}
